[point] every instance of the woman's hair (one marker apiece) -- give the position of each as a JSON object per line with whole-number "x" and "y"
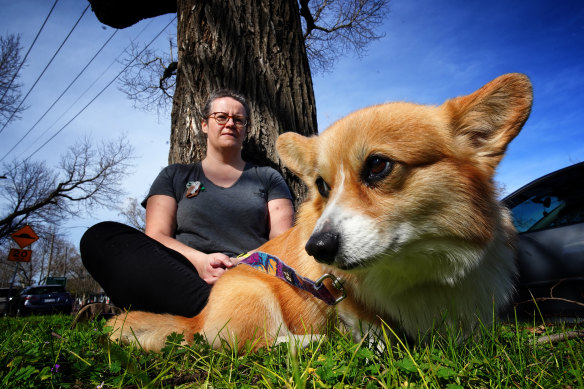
{"x": 219, "y": 93}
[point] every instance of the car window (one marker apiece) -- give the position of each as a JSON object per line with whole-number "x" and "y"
{"x": 536, "y": 213}
{"x": 23, "y": 292}
{"x": 44, "y": 290}
{"x": 553, "y": 202}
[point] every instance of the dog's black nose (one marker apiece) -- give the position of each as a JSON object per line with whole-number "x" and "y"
{"x": 323, "y": 246}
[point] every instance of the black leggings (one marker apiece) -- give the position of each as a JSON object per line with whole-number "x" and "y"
{"x": 139, "y": 273}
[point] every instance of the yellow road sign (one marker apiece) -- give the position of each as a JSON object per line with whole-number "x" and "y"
{"x": 17, "y": 255}
{"x": 24, "y": 236}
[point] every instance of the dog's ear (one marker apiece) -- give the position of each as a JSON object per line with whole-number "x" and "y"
{"x": 488, "y": 119}
{"x": 298, "y": 153}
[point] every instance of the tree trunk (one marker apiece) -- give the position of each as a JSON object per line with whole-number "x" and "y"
{"x": 254, "y": 47}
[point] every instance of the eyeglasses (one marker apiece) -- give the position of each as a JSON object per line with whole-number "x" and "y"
{"x": 222, "y": 118}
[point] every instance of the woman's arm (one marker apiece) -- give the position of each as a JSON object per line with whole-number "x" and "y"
{"x": 281, "y": 216}
{"x": 161, "y": 226}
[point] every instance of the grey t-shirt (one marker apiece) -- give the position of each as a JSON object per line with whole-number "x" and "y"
{"x": 230, "y": 220}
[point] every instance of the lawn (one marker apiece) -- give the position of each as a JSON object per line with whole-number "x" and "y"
{"x": 44, "y": 351}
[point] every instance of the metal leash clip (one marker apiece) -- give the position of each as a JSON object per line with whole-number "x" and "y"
{"x": 336, "y": 283}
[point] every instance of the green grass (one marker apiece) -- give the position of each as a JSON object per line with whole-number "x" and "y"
{"x": 45, "y": 351}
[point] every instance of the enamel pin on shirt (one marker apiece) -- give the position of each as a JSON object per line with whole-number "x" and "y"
{"x": 193, "y": 188}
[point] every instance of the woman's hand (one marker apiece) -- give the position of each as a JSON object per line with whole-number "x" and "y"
{"x": 160, "y": 225}
{"x": 212, "y": 266}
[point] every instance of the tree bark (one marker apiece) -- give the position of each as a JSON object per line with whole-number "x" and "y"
{"x": 256, "y": 48}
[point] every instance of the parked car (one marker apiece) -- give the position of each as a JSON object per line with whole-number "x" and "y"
{"x": 42, "y": 299}
{"x": 549, "y": 216}
{"x": 5, "y": 295}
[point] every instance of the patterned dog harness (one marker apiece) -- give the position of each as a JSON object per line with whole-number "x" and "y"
{"x": 276, "y": 267}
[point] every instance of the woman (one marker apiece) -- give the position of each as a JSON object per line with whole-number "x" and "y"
{"x": 198, "y": 218}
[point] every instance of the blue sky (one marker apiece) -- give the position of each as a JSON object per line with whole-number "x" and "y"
{"x": 432, "y": 50}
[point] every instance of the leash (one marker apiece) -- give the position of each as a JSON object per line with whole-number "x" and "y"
{"x": 276, "y": 267}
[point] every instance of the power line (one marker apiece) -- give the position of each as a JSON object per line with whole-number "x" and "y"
{"x": 61, "y": 95}
{"x": 100, "y": 92}
{"x": 45, "y": 69}
{"x": 91, "y": 85}
{"x": 26, "y": 55}
{"x": 71, "y": 106}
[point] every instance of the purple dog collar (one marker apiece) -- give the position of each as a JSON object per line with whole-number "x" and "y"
{"x": 276, "y": 267}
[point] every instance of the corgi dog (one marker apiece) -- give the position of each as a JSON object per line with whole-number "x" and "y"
{"x": 402, "y": 209}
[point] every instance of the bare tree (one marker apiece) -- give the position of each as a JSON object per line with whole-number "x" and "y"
{"x": 6, "y": 269}
{"x": 149, "y": 80}
{"x": 335, "y": 27}
{"x": 10, "y": 64}
{"x": 50, "y": 253}
{"x": 134, "y": 214}
{"x": 53, "y": 256}
{"x": 331, "y": 28}
{"x": 44, "y": 250}
{"x": 88, "y": 176}
{"x": 259, "y": 48}
{"x": 25, "y": 274}
{"x": 65, "y": 261}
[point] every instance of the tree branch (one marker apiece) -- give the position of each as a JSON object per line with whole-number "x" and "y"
{"x": 89, "y": 178}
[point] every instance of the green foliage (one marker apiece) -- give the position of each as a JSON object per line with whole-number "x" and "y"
{"x": 46, "y": 352}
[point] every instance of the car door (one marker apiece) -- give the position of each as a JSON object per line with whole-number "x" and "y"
{"x": 549, "y": 216}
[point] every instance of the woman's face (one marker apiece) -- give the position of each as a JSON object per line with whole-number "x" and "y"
{"x": 230, "y": 134}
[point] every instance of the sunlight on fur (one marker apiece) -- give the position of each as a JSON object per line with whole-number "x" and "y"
{"x": 402, "y": 208}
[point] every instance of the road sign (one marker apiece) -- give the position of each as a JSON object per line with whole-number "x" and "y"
{"x": 25, "y": 236}
{"x": 17, "y": 255}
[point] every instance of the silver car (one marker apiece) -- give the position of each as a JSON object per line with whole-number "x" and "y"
{"x": 549, "y": 216}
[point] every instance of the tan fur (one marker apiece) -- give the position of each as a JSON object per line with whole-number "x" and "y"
{"x": 425, "y": 247}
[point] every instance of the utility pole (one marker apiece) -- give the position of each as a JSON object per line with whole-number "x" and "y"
{"x": 50, "y": 255}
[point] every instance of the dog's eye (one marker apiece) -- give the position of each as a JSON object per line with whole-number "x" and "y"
{"x": 323, "y": 187}
{"x": 376, "y": 168}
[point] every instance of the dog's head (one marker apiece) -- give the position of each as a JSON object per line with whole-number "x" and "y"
{"x": 400, "y": 177}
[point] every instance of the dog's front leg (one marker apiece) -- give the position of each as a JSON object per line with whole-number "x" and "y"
{"x": 251, "y": 316}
